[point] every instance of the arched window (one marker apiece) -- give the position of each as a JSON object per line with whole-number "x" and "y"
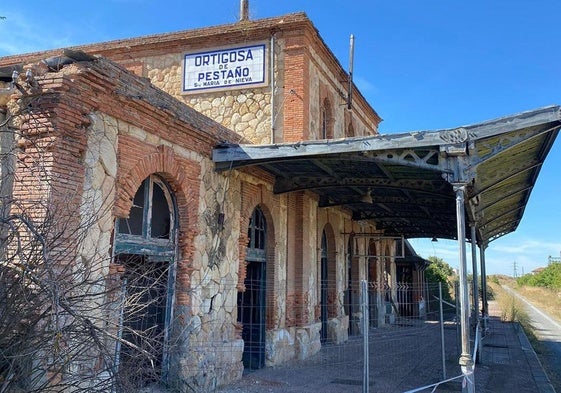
{"x": 257, "y": 234}
{"x": 373, "y": 284}
{"x": 145, "y": 249}
{"x": 324, "y": 287}
{"x": 326, "y": 121}
{"x": 350, "y": 129}
{"x": 352, "y": 294}
{"x": 151, "y": 215}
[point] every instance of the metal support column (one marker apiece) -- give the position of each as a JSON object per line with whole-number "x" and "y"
{"x": 442, "y": 341}
{"x": 466, "y": 362}
{"x": 484, "y": 305}
{"x": 365, "y": 347}
{"x": 475, "y": 294}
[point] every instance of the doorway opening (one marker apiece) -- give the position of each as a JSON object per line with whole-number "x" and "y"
{"x": 252, "y": 301}
{"x": 324, "y": 288}
{"x": 145, "y": 250}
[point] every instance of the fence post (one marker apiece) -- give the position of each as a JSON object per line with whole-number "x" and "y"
{"x": 442, "y": 343}
{"x": 365, "y": 326}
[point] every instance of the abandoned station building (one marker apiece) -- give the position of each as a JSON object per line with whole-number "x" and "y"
{"x": 258, "y": 263}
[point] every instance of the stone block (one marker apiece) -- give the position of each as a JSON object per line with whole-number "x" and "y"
{"x": 307, "y": 340}
{"x": 337, "y": 330}
{"x": 280, "y": 346}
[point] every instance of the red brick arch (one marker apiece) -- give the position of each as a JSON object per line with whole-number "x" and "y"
{"x": 183, "y": 179}
{"x": 271, "y": 316}
{"x": 162, "y": 162}
{"x": 331, "y": 269}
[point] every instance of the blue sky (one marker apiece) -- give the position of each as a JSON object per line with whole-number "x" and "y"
{"x": 423, "y": 65}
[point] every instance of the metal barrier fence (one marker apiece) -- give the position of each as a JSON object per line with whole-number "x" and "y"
{"x": 369, "y": 337}
{"x": 412, "y": 341}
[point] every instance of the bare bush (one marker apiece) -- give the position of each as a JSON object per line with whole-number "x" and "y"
{"x": 72, "y": 318}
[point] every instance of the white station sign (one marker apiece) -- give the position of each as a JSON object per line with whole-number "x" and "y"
{"x": 224, "y": 68}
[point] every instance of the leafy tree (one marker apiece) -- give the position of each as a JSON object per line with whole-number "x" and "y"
{"x": 440, "y": 271}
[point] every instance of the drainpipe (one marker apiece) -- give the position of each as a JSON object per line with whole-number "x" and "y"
{"x": 466, "y": 362}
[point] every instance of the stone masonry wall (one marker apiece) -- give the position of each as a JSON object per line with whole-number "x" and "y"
{"x": 100, "y": 162}
{"x": 125, "y": 129}
{"x": 108, "y": 140}
{"x": 207, "y": 351}
{"x": 299, "y": 71}
{"x": 245, "y": 111}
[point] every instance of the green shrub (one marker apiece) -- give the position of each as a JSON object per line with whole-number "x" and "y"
{"x": 550, "y": 277}
{"x": 439, "y": 271}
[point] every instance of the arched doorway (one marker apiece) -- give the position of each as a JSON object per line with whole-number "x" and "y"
{"x": 374, "y": 289}
{"x": 145, "y": 250}
{"x": 251, "y": 302}
{"x": 352, "y": 292}
{"x": 324, "y": 287}
{"x": 391, "y": 285}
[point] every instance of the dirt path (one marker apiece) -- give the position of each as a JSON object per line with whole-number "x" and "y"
{"x": 548, "y": 331}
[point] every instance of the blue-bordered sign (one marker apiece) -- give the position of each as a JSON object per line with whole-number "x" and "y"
{"x": 224, "y": 68}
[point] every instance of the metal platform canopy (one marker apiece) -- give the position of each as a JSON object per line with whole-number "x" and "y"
{"x": 405, "y": 182}
{"x": 468, "y": 182}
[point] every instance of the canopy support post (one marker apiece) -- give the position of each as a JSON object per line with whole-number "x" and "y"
{"x": 466, "y": 362}
{"x": 475, "y": 276}
{"x": 484, "y": 305}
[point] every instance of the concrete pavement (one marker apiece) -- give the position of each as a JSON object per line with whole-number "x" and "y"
{"x": 509, "y": 363}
